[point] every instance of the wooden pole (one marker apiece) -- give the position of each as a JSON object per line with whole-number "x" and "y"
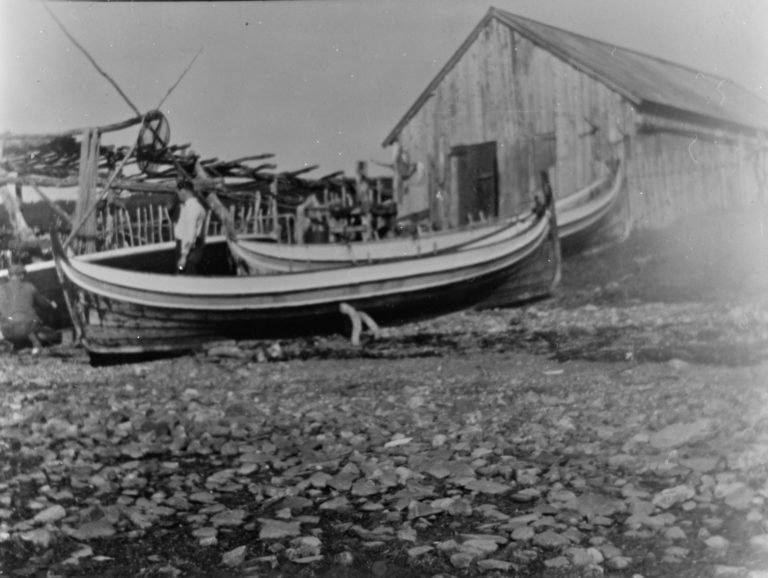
{"x": 167, "y": 219}
{"x": 71, "y": 132}
{"x": 152, "y": 226}
{"x": 257, "y": 212}
{"x": 175, "y": 84}
{"x": 90, "y": 58}
{"x": 103, "y": 194}
{"x": 119, "y": 226}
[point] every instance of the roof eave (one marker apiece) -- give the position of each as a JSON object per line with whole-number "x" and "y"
{"x": 648, "y": 107}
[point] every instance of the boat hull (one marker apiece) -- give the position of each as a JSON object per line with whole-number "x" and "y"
{"x": 596, "y": 220}
{"x": 119, "y": 312}
{"x": 260, "y": 257}
{"x": 535, "y": 277}
{"x": 157, "y": 258}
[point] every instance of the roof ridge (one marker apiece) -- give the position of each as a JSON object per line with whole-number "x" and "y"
{"x": 499, "y": 12}
{"x": 652, "y": 85}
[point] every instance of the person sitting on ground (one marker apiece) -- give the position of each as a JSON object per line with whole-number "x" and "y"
{"x": 189, "y": 230}
{"x": 20, "y": 324}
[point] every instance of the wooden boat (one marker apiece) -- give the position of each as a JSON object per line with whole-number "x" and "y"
{"x": 155, "y": 257}
{"x": 121, "y": 312}
{"x": 583, "y": 218}
{"x": 591, "y": 216}
{"x": 261, "y": 257}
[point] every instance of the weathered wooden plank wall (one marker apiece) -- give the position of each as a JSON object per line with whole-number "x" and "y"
{"x": 505, "y": 89}
{"x": 483, "y": 98}
{"x": 671, "y": 175}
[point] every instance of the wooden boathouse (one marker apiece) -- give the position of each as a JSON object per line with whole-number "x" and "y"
{"x": 520, "y": 97}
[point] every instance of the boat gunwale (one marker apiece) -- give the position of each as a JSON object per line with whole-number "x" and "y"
{"x": 376, "y": 274}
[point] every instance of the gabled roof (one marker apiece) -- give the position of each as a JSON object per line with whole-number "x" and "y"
{"x": 650, "y": 83}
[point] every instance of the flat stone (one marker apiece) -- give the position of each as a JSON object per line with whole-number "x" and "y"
{"x": 717, "y": 543}
{"x": 77, "y": 555}
{"x": 701, "y": 465}
{"x": 677, "y": 552}
{"x": 619, "y": 562}
{"x": 641, "y": 507}
{"x": 39, "y": 537}
{"x": 447, "y": 545}
{"x": 740, "y": 499}
{"x": 51, "y": 514}
{"x": 495, "y": 515}
{"x": 523, "y": 533}
{"x": 712, "y": 522}
{"x": 518, "y": 521}
{"x": 679, "y": 434}
{"x": 221, "y": 477}
{"x": 550, "y": 539}
{"x": 678, "y": 364}
{"x": 227, "y": 351}
{"x": 418, "y": 509}
{"x": 338, "y": 504}
{"x": 562, "y": 498}
{"x": 759, "y": 542}
{"x": 419, "y": 551}
{"x": 751, "y": 458}
{"x": 276, "y": 529}
{"x": 304, "y": 547}
{"x": 461, "y": 559}
{"x": 479, "y": 547}
{"x": 486, "y": 487}
{"x": 622, "y": 461}
{"x": 492, "y": 564}
{"x": 202, "y": 498}
{"x": 407, "y": 534}
{"x": 229, "y": 518}
{"x": 654, "y": 522}
{"x": 592, "y": 504}
{"x": 319, "y": 479}
{"x": 526, "y": 495}
{"x": 490, "y": 537}
{"x": 234, "y": 557}
{"x": 460, "y": 507}
{"x": 675, "y": 533}
{"x": 91, "y": 530}
{"x": 364, "y": 488}
{"x": 668, "y": 497}
{"x": 557, "y": 562}
{"x": 573, "y": 535}
{"x": 584, "y": 556}
{"x": 208, "y": 541}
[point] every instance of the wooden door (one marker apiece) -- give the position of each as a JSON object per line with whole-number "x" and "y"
{"x": 476, "y": 181}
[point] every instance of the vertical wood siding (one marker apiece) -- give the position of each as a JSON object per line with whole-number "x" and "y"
{"x": 508, "y": 90}
{"x": 671, "y": 175}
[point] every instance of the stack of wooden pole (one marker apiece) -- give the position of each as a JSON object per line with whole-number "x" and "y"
{"x": 89, "y": 163}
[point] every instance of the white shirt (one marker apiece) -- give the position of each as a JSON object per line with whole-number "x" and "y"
{"x": 191, "y": 224}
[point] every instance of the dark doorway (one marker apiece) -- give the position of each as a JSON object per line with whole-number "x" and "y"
{"x": 476, "y": 181}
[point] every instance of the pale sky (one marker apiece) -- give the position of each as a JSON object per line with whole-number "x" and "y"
{"x": 314, "y": 82}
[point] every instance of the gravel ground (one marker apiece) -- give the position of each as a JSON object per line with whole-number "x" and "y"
{"x": 619, "y": 428}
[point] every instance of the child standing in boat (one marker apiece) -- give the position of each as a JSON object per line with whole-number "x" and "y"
{"x": 189, "y": 230}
